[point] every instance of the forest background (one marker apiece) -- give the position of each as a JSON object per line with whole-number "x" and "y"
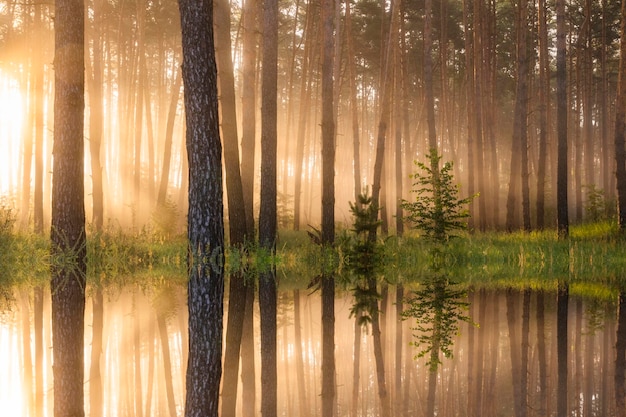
{"x": 136, "y": 158}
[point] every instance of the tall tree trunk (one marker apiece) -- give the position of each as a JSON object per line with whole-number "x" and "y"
{"x": 248, "y": 107}
{"x": 620, "y": 128}
{"x": 96, "y": 125}
{"x": 68, "y": 211}
{"x": 205, "y": 229}
{"x": 356, "y": 140}
{"x": 303, "y": 112}
{"x": 169, "y": 136}
{"x": 479, "y": 69}
{"x": 236, "y": 205}
{"x": 544, "y": 106}
{"x": 139, "y": 111}
{"x": 267, "y": 215}
{"x": 356, "y": 366}
{"x": 519, "y": 150}
{"x": 328, "y": 208}
{"x": 561, "y": 122}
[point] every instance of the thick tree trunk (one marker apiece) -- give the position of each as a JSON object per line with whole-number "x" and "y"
{"x": 205, "y": 228}
{"x": 267, "y": 215}
{"x": 68, "y": 211}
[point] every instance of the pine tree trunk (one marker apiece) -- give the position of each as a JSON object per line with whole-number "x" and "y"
{"x": 68, "y": 211}
{"x": 267, "y": 215}
{"x": 205, "y": 229}
{"x": 561, "y": 122}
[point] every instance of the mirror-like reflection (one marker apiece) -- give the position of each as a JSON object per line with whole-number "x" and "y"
{"x": 515, "y": 334}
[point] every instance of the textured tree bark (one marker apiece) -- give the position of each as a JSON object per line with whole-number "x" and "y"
{"x": 561, "y": 122}
{"x": 205, "y": 228}
{"x": 68, "y": 211}
{"x": 267, "y": 215}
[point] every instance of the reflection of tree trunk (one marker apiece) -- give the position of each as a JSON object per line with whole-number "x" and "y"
{"x": 471, "y": 348}
{"x": 398, "y": 364}
{"x": 479, "y": 354}
{"x": 302, "y": 399}
{"x": 236, "y": 312}
{"x": 39, "y": 352}
{"x": 356, "y": 366}
{"x": 248, "y": 383}
{"x": 511, "y": 315}
{"x": 95, "y": 378}
{"x": 138, "y": 391}
{"x": 378, "y": 356}
{"x": 620, "y": 358}
{"x": 27, "y": 357}
{"x": 541, "y": 354}
{"x": 588, "y": 399}
{"x": 578, "y": 335}
{"x": 151, "y": 365}
{"x": 167, "y": 362}
{"x": 490, "y": 391}
{"x": 605, "y": 397}
{"x": 562, "y": 347}
{"x": 525, "y": 348}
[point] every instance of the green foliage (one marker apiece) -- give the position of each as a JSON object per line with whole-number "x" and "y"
{"x": 364, "y": 258}
{"x": 437, "y": 308}
{"x": 596, "y": 206}
{"x": 437, "y": 211}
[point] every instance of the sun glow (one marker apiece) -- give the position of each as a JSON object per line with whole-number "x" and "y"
{"x": 11, "y": 126}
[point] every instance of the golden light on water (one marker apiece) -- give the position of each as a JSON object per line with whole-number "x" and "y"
{"x": 11, "y": 398}
{"x": 11, "y": 125}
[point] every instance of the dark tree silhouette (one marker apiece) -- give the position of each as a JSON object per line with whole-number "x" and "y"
{"x": 205, "y": 214}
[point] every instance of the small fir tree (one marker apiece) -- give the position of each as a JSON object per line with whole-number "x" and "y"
{"x": 437, "y": 211}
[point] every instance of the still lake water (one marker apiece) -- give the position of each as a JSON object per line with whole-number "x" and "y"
{"x": 144, "y": 327}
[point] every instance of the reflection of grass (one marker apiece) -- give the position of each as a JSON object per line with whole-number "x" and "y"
{"x": 594, "y": 255}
